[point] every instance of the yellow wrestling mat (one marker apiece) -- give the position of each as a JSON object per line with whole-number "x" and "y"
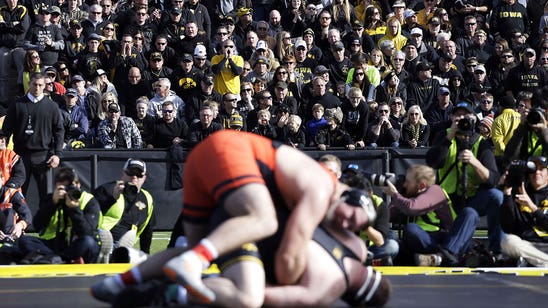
{"x": 72, "y": 270}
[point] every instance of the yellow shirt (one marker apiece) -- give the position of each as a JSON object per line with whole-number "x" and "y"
{"x": 226, "y": 81}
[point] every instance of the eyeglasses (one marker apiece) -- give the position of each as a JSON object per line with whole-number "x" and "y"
{"x": 396, "y": 103}
{"x": 231, "y": 100}
{"x": 246, "y": 69}
{"x": 479, "y": 73}
{"x": 301, "y": 49}
{"x": 49, "y": 84}
{"x": 360, "y": 73}
{"x": 506, "y": 56}
{"x": 113, "y": 111}
{"x": 355, "y": 97}
{"x": 486, "y": 102}
{"x": 544, "y": 47}
{"x": 282, "y": 72}
{"x": 132, "y": 173}
{"x": 160, "y": 43}
{"x": 522, "y": 106}
{"x": 266, "y": 97}
{"x": 247, "y": 90}
{"x": 107, "y": 101}
{"x": 108, "y": 29}
{"x": 167, "y": 110}
{"x": 384, "y": 111}
{"x": 287, "y": 37}
{"x": 229, "y": 46}
{"x": 398, "y": 59}
{"x": 35, "y": 56}
{"x": 262, "y": 28}
{"x": 156, "y": 60}
{"x": 325, "y": 18}
{"x": 96, "y": 13}
{"x": 543, "y": 59}
{"x": 106, "y": 5}
{"x": 470, "y": 24}
{"x": 138, "y": 38}
{"x": 289, "y": 63}
{"x": 471, "y": 65}
{"x": 222, "y": 33}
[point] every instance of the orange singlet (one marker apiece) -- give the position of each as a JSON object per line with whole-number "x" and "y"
{"x": 223, "y": 162}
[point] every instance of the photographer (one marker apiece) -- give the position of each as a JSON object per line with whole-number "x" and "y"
{"x": 467, "y": 170}
{"x": 127, "y": 208}
{"x": 434, "y": 234}
{"x": 66, "y": 222}
{"x": 530, "y": 138}
{"x": 524, "y": 213}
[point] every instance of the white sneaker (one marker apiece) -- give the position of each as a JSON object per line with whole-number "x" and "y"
{"x": 427, "y": 259}
{"x": 106, "y": 290}
{"x": 186, "y": 270}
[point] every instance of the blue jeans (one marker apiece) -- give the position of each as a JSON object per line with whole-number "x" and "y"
{"x": 487, "y": 202}
{"x": 456, "y": 241}
{"x": 85, "y": 247}
{"x": 389, "y": 249}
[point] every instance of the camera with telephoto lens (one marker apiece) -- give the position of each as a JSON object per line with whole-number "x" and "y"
{"x": 535, "y": 116}
{"x": 383, "y": 179}
{"x": 130, "y": 190}
{"x": 465, "y": 125}
{"x": 517, "y": 172}
{"x": 73, "y": 192}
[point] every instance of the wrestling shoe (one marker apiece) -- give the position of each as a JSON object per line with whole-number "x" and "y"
{"x": 427, "y": 259}
{"x": 186, "y": 270}
{"x": 106, "y": 290}
{"x": 150, "y": 293}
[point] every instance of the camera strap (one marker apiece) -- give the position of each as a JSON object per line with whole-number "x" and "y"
{"x": 447, "y": 173}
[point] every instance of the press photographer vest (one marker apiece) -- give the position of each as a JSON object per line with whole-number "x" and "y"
{"x": 59, "y": 224}
{"x": 450, "y": 174}
{"x": 115, "y": 212}
{"x": 430, "y": 222}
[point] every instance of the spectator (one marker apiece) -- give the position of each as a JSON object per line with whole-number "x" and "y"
{"x": 201, "y": 61}
{"x": 509, "y": 15}
{"x": 390, "y": 87}
{"x": 423, "y": 88}
{"x": 74, "y": 118}
{"x": 303, "y": 64}
{"x": 438, "y": 116}
{"x": 227, "y": 68}
{"x": 264, "y": 126}
{"x": 94, "y": 23}
{"x": 355, "y": 116}
{"x": 31, "y": 66}
{"x": 156, "y": 69}
{"x": 192, "y": 38}
{"x": 393, "y": 33}
{"x": 198, "y": 131}
{"x": 292, "y": 133}
{"x": 91, "y": 59}
{"x": 201, "y": 15}
{"x": 163, "y": 93}
{"x": 142, "y": 24}
{"x": 185, "y": 78}
{"x": 169, "y": 129}
{"x": 397, "y": 111}
{"x": 333, "y": 135}
{"x": 117, "y": 131}
{"x": 526, "y": 76}
{"x": 122, "y": 59}
{"x": 415, "y": 130}
{"x": 144, "y": 121}
{"x": 13, "y": 28}
{"x": 131, "y": 89}
{"x": 381, "y": 132}
{"x": 486, "y": 107}
{"x": 67, "y": 222}
{"x": 45, "y": 38}
{"x": 101, "y": 83}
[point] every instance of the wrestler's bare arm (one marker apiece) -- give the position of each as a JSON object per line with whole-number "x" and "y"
{"x": 308, "y": 189}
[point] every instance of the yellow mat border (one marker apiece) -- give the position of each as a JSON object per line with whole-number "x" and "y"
{"x": 72, "y": 270}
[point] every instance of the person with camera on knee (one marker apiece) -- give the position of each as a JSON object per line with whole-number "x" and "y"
{"x": 467, "y": 170}
{"x": 524, "y": 212}
{"x": 127, "y": 214}
{"x": 66, "y": 223}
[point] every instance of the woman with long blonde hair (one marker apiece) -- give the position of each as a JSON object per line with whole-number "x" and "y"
{"x": 415, "y": 130}
{"x": 343, "y": 13}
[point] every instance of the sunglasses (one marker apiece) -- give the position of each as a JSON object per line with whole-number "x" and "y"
{"x": 231, "y": 100}
{"x": 229, "y": 46}
{"x": 266, "y": 97}
{"x": 247, "y": 90}
{"x": 132, "y": 173}
{"x": 167, "y": 110}
{"x": 384, "y": 111}
{"x": 108, "y": 29}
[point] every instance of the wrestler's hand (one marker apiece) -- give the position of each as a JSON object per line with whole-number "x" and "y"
{"x": 53, "y": 161}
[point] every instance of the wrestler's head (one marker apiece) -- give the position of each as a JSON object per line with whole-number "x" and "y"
{"x": 353, "y": 211}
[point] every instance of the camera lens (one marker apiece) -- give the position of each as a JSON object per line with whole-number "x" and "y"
{"x": 73, "y": 192}
{"x": 534, "y": 117}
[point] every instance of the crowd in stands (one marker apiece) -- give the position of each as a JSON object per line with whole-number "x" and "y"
{"x": 391, "y": 70}
{"x": 312, "y": 74}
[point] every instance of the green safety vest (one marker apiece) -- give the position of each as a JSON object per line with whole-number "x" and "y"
{"x": 534, "y": 147}
{"x": 51, "y": 230}
{"x": 448, "y": 174}
{"x": 115, "y": 212}
{"x": 430, "y": 222}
